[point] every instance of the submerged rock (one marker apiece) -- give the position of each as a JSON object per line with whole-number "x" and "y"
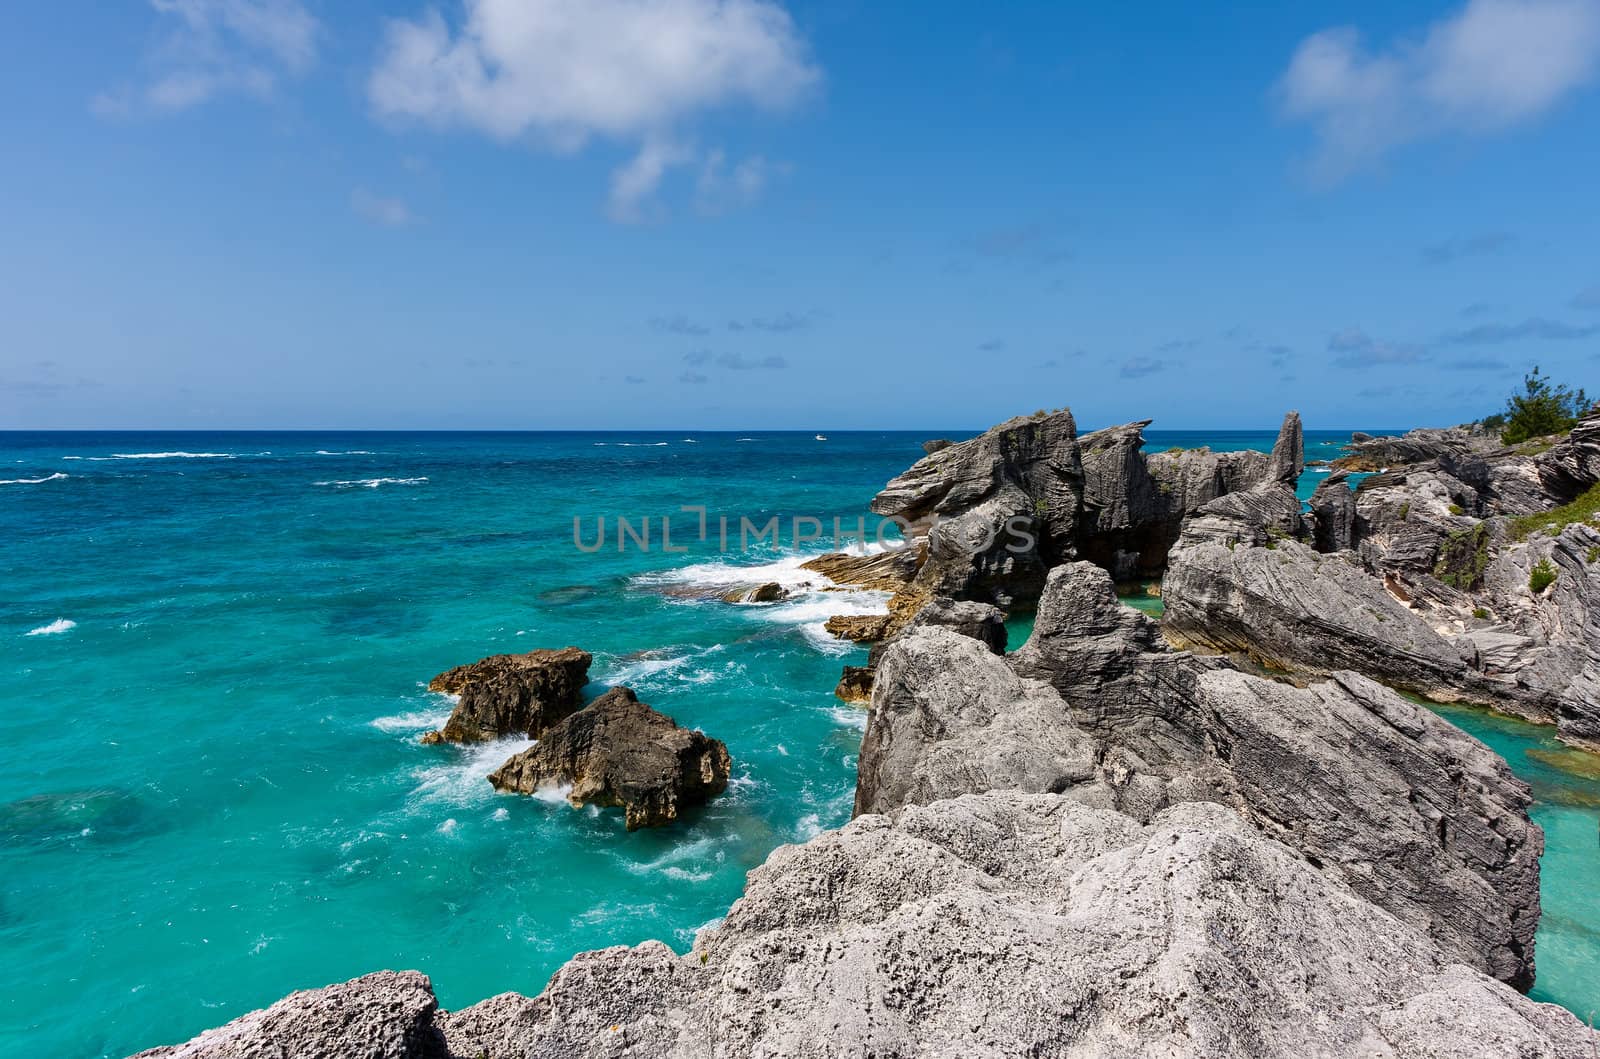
{"x": 619, "y": 752}
{"x": 507, "y": 695}
{"x": 386, "y": 1015}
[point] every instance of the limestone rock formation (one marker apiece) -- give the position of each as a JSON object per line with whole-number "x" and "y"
{"x": 507, "y": 695}
{"x": 1010, "y": 924}
{"x": 386, "y": 1015}
{"x": 619, "y": 752}
{"x": 1411, "y": 813}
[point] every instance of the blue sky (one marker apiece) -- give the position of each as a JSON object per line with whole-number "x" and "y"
{"x": 615, "y": 214}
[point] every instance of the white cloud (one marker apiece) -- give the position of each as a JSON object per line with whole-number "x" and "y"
{"x": 1492, "y": 65}
{"x": 218, "y": 47}
{"x": 563, "y": 72}
{"x": 384, "y": 211}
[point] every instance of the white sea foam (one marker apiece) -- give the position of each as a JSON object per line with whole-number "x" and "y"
{"x": 55, "y": 628}
{"x": 553, "y": 793}
{"x": 166, "y": 456}
{"x": 462, "y": 780}
{"x": 641, "y": 444}
{"x": 373, "y": 483}
{"x": 849, "y": 716}
{"x": 674, "y": 665}
{"x": 419, "y": 721}
{"x": 32, "y": 481}
{"x": 347, "y": 452}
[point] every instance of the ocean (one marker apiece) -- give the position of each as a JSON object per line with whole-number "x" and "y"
{"x": 211, "y": 788}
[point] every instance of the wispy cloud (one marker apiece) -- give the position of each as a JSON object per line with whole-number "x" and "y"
{"x": 382, "y": 210}
{"x": 1476, "y": 364}
{"x": 678, "y": 324}
{"x": 1588, "y": 298}
{"x": 1532, "y": 329}
{"x": 782, "y": 323}
{"x": 563, "y": 72}
{"x": 693, "y": 378}
{"x": 214, "y": 48}
{"x": 993, "y": 345}
{"x": 1139, "y": 367}
{"x": 739, "y": 362}
{"x": 1357, "y": 349}
{"x": 1036, "y": 244}
{"x": 1491, "y": 65}
{"x": 1481, "y": 245}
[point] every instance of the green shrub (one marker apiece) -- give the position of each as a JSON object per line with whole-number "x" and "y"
{"x": 1593, "y": 556}
{"x": 1582, "y": 509}
{"x": 1480, "y": 614}
{"x": 1543, "y": 576}
{"x": 1405, "y": 509}
{"x": 1543, "y": 407}
{"x": 1457, "y": 509}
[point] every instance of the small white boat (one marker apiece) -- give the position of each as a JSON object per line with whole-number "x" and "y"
{"x": 822, "y": 437}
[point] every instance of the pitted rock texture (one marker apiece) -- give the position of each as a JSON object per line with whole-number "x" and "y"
{"x": 619, "y": 752}
{"x": 506, "y": 695}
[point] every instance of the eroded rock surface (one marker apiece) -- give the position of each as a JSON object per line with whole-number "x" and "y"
{"x": 618, "y": 751}
{"x": 1011, "y": 924}
{"x": 387, "y": 1015}
{"x": 506, "y": 695}
{"x": 1411, "y": 813}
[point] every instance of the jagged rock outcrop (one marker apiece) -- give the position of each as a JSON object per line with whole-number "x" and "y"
{"x": 1368, "y": 453}
{"x": 1572, "y": 465}
{"x": 1009, "y": 924}
{"x": 936, "y": 445}
{"x": 1426, "y": 587}
{"x": 979, "y": 621}
{"x": 1289, "y": 607}
{"x": 996, "y": 511}
{"x": 1333, "y": 513}
{"x": 507, "y": 695}
{"x": 387, "y": 1015}
{"x": 1413, "y": 814}
{"x": 618, "y": 751}
{"x": 767, "y": 592}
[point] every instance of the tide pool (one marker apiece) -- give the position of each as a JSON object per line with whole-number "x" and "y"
{"x": 211, "y": 789}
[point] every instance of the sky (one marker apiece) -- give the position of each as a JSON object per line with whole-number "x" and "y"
{"x": 661, "y": 214}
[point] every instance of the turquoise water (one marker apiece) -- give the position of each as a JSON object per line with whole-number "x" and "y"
{"x": 211, "y": 790}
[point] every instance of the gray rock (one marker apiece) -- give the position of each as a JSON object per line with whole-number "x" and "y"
{"x": 511, "y": 694}
{"x": 1027, "y": 924}
{"x": 1333, "y": 511}
{"x": 620, "y": 752}
{"x": 387, "y": 1015}
{"x": 1291, "y": 608}
{"x": 950, "y": 717}
{"x": 1414, "y": 815}
{"x": 1573, "y": 465}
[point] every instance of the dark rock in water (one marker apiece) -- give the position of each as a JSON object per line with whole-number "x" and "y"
{"x": 770, "y": 592}
{"x": 936, "y": 445}
{"x": 860, "y": 628}
{"x": 1368, "y": 453}
{"x": 855, "y": 684}
{"x": 387, "y": 1015}
{"x": 1412, "y": 814}
{"x": 511, "y": 694}
{"x": 619, "y": 752}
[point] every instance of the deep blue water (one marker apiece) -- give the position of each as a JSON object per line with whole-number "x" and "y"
{"x": 211, "y": 790}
